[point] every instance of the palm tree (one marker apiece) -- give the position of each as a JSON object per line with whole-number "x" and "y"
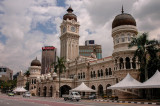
{"x": 145, "y": 49}
{"x": 27, "y": 74}
{"x": 60, "y": 67}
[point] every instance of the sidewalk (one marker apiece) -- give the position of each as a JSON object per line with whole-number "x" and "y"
{"x": 130, "y": 101}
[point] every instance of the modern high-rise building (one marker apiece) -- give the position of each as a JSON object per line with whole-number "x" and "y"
{"x": 89, "y": 48}
{"x": 48, "y": 58}
{"x": 6, "y": 73}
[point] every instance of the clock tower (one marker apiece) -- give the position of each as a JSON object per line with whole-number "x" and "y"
{"x": 69, "y": 38}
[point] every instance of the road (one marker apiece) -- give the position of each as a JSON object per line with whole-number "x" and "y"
{"x": 42, "y": 101}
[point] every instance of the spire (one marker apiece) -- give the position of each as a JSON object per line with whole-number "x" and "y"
{"x": 70, "y": 10}
{"x": 122, "y": 10}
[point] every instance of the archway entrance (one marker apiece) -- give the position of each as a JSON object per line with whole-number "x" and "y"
{"x": 45, "y": 91}
{"x": 100, "y": 90}
{"x": 108, "y": 91}
{"x": 51, "y": 91}
{"x": 64, "y": 90}
{"x": 94, "y": 88}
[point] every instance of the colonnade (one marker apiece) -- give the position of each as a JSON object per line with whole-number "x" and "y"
{"x": 123, "y": 63}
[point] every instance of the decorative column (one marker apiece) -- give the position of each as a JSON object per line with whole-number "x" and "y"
{"x": 137, "y": 63}
{"x": 124, "y": 63}
{"x": 115, "y": 65}
{"x": 48, "y": 92}
{"x": 131, "y": 63}
{"x": 41, "y": 92}
{"x": 118, "y": 66}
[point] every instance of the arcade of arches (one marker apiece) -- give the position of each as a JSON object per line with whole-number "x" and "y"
{"x": 126, "y": 63}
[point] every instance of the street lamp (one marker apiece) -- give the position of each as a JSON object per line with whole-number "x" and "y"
{"x": 75, "y": 78}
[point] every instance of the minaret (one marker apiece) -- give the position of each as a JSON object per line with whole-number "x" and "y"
{"x": 69, "y": 38}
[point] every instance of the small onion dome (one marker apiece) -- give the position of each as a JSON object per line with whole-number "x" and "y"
{"x": 42, "y": 77}
{"x": 54, "y": 74}
{"x": 70, "y": 15}
{"x": 123, "y": 19}
{"x": 35, "y": 62}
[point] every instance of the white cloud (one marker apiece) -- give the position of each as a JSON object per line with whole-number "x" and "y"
{"x": 22, "y": 43}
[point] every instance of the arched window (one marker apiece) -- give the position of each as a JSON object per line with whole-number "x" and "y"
{"x": 121, "y": 63}
{"x": 91, "y": 75}
{"x": 129, "y": 37}
{"x": 106, "y": 72}
{"x": 101, "y": 72}
{"x": 117, "y": 40}
{"x": 94, "y": 73}
{"x": 83, "y": 74}
{"x": 34, "y": 81}
{"x": 78, "y": 75}
{"x": 123, "y": 39}
{"x": 133, "y": 63}
{"x": 98, "y": 73}
{"x": 128, "y": 66}
{"x": 110, "y": 71}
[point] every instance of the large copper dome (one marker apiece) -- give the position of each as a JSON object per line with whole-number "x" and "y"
{"x": 123, "y": 19}
{"x": 70, "y": 15}
{"x": 35, "y": 63}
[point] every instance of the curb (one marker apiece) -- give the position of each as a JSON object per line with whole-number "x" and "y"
{"x": 116, "y": 101}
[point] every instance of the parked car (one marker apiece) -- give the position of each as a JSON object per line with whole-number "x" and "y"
{"x": 27, "y": 94}
{"x": 10, "y": 94}
{"x": 72, "y": 96}
{"x": 92, "y": 96}
{"x": 113, "y": 97}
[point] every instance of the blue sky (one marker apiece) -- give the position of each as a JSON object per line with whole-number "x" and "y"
{"x": 28, "y": 25}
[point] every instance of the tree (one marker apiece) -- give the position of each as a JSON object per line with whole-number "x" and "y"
{"x": 7, "y": 85}
{"x": 146, "y": 49}
{"x": 27, "y": 74}
{"x": 154, "y": 61}
{"x": 59, "y": 67}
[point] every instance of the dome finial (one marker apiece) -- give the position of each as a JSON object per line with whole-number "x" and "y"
{"x": 70, "y": 10}
{"x": 122, "y": 9}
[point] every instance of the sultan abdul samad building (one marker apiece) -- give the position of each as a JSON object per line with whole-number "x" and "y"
{"x": 97, "y": 74}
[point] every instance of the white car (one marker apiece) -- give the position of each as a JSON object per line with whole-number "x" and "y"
{"x": 72, "y": 96}
{"x": 27, "y": 94}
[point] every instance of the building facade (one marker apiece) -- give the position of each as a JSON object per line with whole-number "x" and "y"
{"x": 48, "y": 58}
{"x": 6, "y": 73}
{"x": 97, "y": 74}
{"x": 89, "y": 48}
{"x": 21, "y": 80}
{"x": 35, "y": 73}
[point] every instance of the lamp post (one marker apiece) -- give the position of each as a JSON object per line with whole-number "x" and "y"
{"x": 75, "y": 78}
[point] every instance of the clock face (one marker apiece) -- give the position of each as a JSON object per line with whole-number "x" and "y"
{"x": 73, "y": 29}
{"x": 64, "y": 29}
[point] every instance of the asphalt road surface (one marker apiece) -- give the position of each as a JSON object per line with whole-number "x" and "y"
{"x": 47, "y": 101}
